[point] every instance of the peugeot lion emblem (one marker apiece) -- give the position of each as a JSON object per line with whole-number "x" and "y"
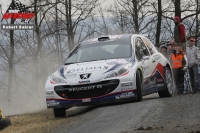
{"x": 85, "y": 76}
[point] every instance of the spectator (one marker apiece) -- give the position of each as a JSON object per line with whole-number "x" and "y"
{"x": 179, "y": 65}
{"x": 191, "y": 53}
{"x": 179, "y": 33}
{"x": 169, "y": 50}
{"x": 164, "y": 51}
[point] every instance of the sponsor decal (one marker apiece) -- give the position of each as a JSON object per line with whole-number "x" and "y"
{"x": 87, "y": 69}
{"x": 114, "y": 67}
{"x": 84, "y": 82}
{"x": 85, "y": 88}
{"x": 160, "y": 80}
{"x": 144, "y": 68}
{"x": 125, "y": 95}
{"x": 161, "y": 85}
{"x": 50, "y": 96}
{"x": 85, "y": 76}
{"x": 152, "y": 82}
{"x": 127, "y": 86}
{"x": 49, "y": 92}
{"x": 53, "y": 103}
{"x": 15, "y": 11}
{"x": 86, "y": 100}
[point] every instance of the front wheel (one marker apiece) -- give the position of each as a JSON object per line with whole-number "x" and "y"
{"x": 59, "y": 112}
{"x": 139, "y": 86}
{"x": 169, "y": 84}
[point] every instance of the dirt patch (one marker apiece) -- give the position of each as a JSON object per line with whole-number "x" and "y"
{"x": 44, "y": 121}
{"x": 150, "y": 128}
{"x": 40, "y": 122}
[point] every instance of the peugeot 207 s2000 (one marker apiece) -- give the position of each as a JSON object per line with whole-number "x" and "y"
{"x": 108, "y": 69}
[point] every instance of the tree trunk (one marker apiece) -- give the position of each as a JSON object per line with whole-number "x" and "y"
{"x": 197, "y": 22}
{"x": 39, "y": 47}
{"x": 12, "y": 51}
{"x": 57, "y": 36}
{"x": 159, "y": 14}
{"x": 70, "y": 32}
{"x": 135, "y": 19}
{"x": 177, "y": 5}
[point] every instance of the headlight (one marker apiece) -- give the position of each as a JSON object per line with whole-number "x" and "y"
{"x": 119, "y": 71}
{"x": 57, "y": 78}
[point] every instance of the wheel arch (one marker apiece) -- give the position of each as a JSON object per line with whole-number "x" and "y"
{"x": 169, "y": 66}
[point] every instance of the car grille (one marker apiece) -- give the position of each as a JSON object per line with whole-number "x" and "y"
{"x": 86, "y": 90}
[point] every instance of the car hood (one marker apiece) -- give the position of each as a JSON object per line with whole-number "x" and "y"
{"x": 88, "y": 72}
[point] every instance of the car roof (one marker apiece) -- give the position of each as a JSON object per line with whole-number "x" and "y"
{"x": 112, "y": 37}
{"x": 108, "y": 37}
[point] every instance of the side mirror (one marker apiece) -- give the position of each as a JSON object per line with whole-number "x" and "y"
{"x": 145, "y": 57}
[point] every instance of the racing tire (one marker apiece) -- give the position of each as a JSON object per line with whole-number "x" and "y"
{"x": 139, "y": 86}
{"x": 4, "y": 123}
{"x": 169, "y": 84}
{"x": 59, "y": 112}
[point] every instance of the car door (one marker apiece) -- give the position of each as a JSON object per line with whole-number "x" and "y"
{"x": 153, "y": 60}
{"x": 141, "y": 51}
{"x": 151, "y": 82}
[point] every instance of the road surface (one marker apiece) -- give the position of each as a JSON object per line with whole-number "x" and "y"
{"x": 177, "y": 114}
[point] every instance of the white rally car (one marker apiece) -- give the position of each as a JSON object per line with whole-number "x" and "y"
{"x": 108, "y": 69}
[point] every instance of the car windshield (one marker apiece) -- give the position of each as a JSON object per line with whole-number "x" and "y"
{"x": 100, "y": 51}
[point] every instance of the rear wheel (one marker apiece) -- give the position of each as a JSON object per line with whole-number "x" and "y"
{"x": 169, "y": 84}
{"x": 59, "y": 112}
{"x": 139, "y": 86}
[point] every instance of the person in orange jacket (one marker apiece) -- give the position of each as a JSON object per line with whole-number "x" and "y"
{"x": 179, "y": 65}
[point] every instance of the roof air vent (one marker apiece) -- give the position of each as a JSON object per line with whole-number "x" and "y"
{"x": 103, "y": 38}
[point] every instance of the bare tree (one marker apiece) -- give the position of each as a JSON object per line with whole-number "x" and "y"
{"x": 197, "y": 33}
{"x": 159, "y": 15}
{"x": 12, "y": 46}
{"x": 75, "y": 12}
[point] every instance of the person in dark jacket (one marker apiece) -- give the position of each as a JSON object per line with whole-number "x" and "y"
{"x": 179, "y": 33}
{"x": 179, "y": 65}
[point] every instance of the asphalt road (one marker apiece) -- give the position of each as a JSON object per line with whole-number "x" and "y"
{"x": 177, "y": 114}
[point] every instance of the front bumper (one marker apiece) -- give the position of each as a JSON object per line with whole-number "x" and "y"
{"x": 108, "y": 98}
{"x": 86, "y": 90}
